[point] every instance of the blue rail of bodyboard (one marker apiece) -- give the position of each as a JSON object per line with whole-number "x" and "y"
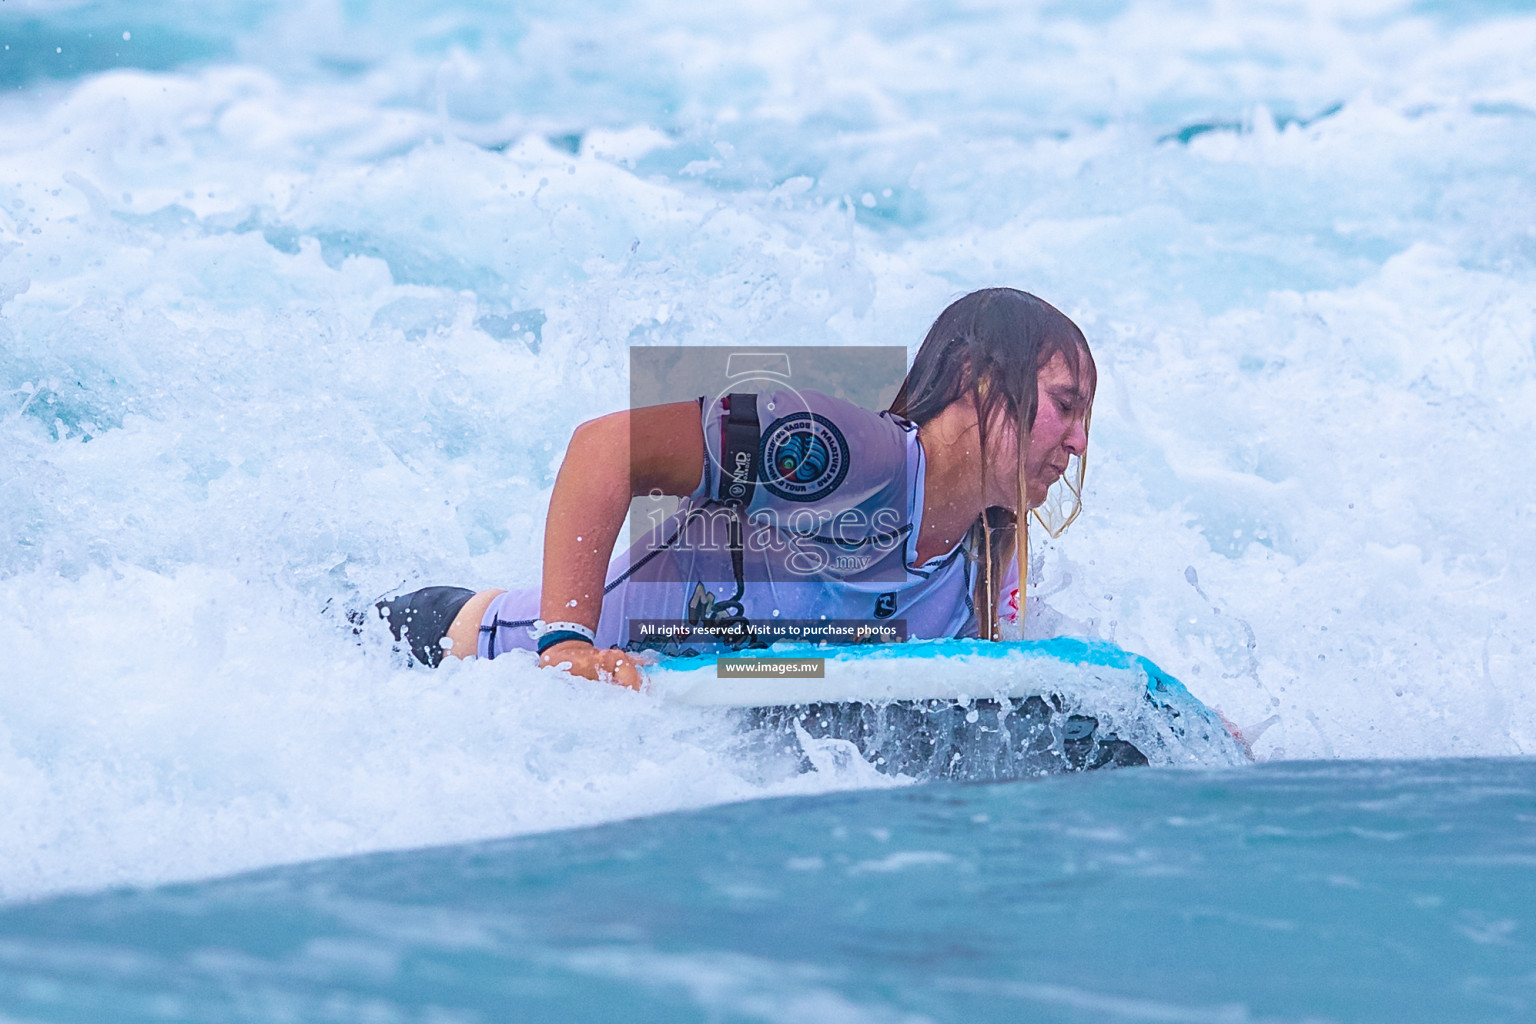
{"x": 1069, "y": 650}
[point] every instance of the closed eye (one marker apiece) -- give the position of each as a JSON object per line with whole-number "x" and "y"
{"x": 1068, "y": 401}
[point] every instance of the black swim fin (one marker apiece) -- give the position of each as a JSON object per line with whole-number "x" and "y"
{"x": 422, "y": 617}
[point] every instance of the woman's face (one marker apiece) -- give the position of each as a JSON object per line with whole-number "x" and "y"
{"x": 1061, "y": 431}
{"x": 1061, "y": 427}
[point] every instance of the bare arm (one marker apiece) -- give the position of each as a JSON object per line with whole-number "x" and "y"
{"x": 610, "y": 460}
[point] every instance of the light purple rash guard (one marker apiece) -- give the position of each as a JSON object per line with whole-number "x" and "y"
{"x": 830, "y": 533}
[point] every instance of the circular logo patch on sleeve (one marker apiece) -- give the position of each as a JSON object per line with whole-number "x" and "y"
{"x": 805, "y": 457}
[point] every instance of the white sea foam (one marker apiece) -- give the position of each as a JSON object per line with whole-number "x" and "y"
{"x": 296, "y": 312}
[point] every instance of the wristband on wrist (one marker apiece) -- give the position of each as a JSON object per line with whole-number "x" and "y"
{"x": 554, "y": 633}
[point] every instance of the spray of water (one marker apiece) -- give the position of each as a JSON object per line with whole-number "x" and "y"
{"x": 299, "y": 303}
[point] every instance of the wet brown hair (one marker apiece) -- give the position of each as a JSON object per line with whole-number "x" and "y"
{"x": 989, "y": 346}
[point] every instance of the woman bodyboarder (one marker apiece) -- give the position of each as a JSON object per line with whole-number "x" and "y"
{"x": 923, "y": 500}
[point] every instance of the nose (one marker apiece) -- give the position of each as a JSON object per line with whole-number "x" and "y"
{"x": 1076, "y": 441}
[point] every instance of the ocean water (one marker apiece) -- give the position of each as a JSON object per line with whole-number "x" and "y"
{"x": 1390, "y": 891}
{"x": 300, "y": 301}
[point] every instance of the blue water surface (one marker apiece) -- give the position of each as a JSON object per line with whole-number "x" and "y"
{"x": 1347, "y": 891}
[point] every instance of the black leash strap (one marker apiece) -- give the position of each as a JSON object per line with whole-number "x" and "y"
{"x": 740, "y": 455}
{"x": 739, "y": 450}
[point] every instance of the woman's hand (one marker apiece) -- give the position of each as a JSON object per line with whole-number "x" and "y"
{"x": 603, "y": 664}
